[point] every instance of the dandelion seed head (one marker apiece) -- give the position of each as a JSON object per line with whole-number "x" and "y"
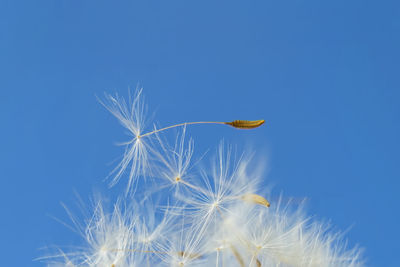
{"x": 216, "y": 215}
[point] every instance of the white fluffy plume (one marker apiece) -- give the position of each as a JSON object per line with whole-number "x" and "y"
{"x": 187, "y": 215}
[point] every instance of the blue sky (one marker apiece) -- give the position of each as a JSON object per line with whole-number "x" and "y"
{"x": 323, "y": 74}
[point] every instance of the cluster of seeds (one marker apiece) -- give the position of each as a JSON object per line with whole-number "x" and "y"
{"x": 176, "y": 213}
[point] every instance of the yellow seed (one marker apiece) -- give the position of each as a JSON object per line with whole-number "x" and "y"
{"x": 257, "y": 199}
{"x": 243, "y": 124}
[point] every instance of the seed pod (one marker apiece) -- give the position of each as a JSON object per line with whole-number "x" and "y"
{"x": 257, "y": 199}
{"x": 243, "y": 124}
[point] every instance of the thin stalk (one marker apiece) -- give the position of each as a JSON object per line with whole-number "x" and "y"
{"x": 182, "y": 124}
{"x": 240, "y": 124}
{"x": 237, "y": 256}
{"x": 138, "y": 250}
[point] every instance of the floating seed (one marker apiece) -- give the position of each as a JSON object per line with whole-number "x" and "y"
{"x": 257, "y": 199}
{"x": 243, "y": 124}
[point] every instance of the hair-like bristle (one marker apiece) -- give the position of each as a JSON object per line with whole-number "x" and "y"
{"x": 243, "y": 124}
{"x": 257, "y": 199}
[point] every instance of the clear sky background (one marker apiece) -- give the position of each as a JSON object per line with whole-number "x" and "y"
{"x": 323, "y": 74}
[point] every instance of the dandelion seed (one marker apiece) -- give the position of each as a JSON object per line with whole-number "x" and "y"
{"x": 150, "y": 232}
{"x": 281, "y": 236}
{"x": 136, "y": 155}
{"x": 184, "y": 248}
{"x": 257, "y": 199}
{"x": 218, "y": 191}
{"x": 108, "y": 237}
{"x": 243, "y": 124}
{"x": 175, "y": 161}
